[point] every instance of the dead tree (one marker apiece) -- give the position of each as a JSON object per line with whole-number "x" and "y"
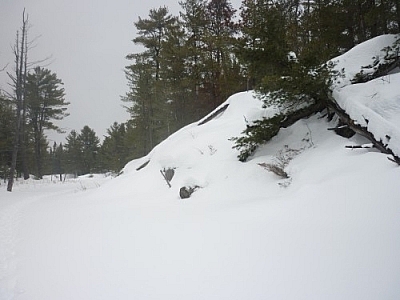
{"x": 19, "y": 79}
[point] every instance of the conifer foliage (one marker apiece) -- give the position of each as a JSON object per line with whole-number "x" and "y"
{"x": 186, "y": 70}
{"x": 295, "y": 76}
{"x": 45, "y": 102}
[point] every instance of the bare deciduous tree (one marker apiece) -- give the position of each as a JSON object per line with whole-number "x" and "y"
{"x": 19, "y": 79}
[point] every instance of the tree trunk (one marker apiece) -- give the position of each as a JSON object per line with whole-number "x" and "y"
{"x": 302, "y": 113}
{"x": 363, "y": 131}
{"x": 398, "y": 15}
{"x": 13, "y": 160}
{"x": 19, "y": 80}
{"x": 38, "y": 156}
{"x": 24, "y": 158}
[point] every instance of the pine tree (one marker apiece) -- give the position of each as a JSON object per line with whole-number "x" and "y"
{"x": 218, "y": 52}
{"x": 263, "y": 46}
{"x": 6, "y": 133}
{"x": 73, "y": 154}
{"x": 45, "y": 102}
{"x": 178, "y": 83}
{"x": 213, "y": 71}
{"x": 149, "y": 102}
{"x": 56, "y": 160}
{"x": 194, "y": 23}
{"x": 141, "y": 97}
{"x": 114, "y": 152}
{"x": 90, "y": 145}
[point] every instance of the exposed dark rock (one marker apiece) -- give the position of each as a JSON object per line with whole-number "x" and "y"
{"x": 169, "y": 174}
{"x": 143, "y": 165}
{"x": 344, "y": 130}
{"x": 186, "y": 191}
{"x": 214, "y": 114}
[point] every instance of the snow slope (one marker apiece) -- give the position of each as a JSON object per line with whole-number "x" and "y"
{"x": 331, "y": 231}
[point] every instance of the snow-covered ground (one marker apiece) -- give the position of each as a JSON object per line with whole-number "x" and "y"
{"x": 330, "y": 231}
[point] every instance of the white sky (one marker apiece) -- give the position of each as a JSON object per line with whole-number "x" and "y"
{"x": 88, "y": 41}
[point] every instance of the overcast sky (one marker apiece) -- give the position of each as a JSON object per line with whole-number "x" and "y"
{"x": 88, "y": 41}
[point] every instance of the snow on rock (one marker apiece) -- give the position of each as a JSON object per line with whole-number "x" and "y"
{"x": 362, "y": 57}
{"x": 374, "y": 104}
{"x": 197, "y": 147}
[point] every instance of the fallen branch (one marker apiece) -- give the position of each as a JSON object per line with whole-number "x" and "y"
{"x": 276, "y": 169}
{"x": 339, "y": 127}
{"x": 297, "y": 115}
{"x": 365, "y": 146}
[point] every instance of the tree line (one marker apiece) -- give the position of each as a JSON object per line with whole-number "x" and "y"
{"x": 190, "y": 64}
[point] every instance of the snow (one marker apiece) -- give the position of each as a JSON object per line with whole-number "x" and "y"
{"x": 374, "y": 104}
{"x": 328, "y": 232}
{"x": 362, "y": 57}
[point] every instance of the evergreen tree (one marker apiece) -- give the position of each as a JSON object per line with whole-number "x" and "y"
{"x": 141, "y": 97}
{"x": 56, "y": 163}
{"x": 218, "y": 51}
{"x": 73, "y": 154}
{"x": 152, "y": 33}
{"x": 114, "y": 152}
{"x": 263, "y": 46}
{"x": 145, "y": 78}
{"x": 6, "y": 133}
{"x": 323, "y": 32}
{"x": 297, "y": 83}
{"x": 45, "y": 103}
{"x": 370, "y": 18}
{"x": 194, "y": 22}
{"x": 90, "y": 145}
{"x": 177, "y": 81}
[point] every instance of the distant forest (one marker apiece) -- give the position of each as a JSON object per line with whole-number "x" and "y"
{"x": 190, "y": 64}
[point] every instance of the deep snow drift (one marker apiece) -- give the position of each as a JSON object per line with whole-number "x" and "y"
{"x": 330, "y": 231}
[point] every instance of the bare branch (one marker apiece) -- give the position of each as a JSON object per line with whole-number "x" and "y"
{"x": 1, "y": 70}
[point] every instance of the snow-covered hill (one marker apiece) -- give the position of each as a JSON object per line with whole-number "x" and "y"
{"x": 330, "y": 231}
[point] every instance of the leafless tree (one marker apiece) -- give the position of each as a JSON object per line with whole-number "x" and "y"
{"x": 19, "y": 79}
